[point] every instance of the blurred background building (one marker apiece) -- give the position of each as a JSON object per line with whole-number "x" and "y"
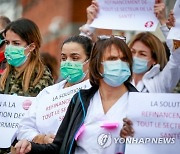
{"x": 57, "y": 19}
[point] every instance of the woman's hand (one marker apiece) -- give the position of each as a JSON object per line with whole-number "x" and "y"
{"x": 127, "y": 129}
{"x": 49, "y": 138}
{"x": 171, "y": 20}
{"x": 92, "y": 11}
{"x": 43, "y": 139}
{"x": 22, "y": 147}
{"x": 160, "y": 12}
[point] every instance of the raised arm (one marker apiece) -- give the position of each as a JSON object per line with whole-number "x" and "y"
{"x": 92, "y": 12}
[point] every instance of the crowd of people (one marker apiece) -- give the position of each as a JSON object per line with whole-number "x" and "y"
{"x": 107, "y": 66}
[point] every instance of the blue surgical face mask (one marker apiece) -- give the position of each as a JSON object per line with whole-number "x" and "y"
{"x": 140, "y": 65}
{"x": 115, "y": 72}
{"x": 15, "y": 55}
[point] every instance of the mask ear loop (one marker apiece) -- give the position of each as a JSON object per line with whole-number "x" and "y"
{"x": 29, "y": 50}
{"x": 85, "y": 62}
{"x": 86, "y": 72}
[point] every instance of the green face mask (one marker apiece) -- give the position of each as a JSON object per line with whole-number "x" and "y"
{"x": 72, "y": 71}
{"x": 15, "y": 55}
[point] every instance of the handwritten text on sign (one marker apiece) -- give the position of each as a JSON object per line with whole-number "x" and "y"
{"x": 155, "y": 116}
{"x": 120, "y": 14}
{"x": 12, "y": 110}
{"x": 52, "y": 108}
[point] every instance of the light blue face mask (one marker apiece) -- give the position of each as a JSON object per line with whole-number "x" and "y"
{"x": 115, "y": 72}
{"x": 140, "y": 65}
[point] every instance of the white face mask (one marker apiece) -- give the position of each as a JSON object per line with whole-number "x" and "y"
{"x": 140, "y": 65}
{"x": 116, "y": 72}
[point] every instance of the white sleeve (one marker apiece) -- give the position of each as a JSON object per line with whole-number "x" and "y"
{"x": 27, "y": 127}
{"x": 170, "y": 75}
{"x": 165, "y": 30}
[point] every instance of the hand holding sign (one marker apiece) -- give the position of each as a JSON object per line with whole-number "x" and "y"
{"x": 160, "y": 12}
{"x": 92, "y": 12}
{"x": 127, "y": 129}
{"x": 171, "y": 20}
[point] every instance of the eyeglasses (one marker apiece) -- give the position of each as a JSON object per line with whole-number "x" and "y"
{"x": 104, "y": 37}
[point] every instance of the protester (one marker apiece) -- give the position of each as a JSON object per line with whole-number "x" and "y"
{"x": 128, "y": 125}
{"x": 25, "y": 75}
{"x": 4, "y": 21}
{"x": 75, "y": 53}
{"x": 97, "y": 108}
{"x": 150, "y": 71}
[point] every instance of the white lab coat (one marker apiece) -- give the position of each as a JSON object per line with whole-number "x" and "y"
{"x": 165, "y": 32}
{"x": 89, "y": 141}
{"x": 32, "y": 124}
{"x": 164, "y": 81}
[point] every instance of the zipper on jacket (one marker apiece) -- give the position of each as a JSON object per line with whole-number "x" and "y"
{"x": 79, "y": 95}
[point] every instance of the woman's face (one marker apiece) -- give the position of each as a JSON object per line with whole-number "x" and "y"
{"x": 140, "y": 50}
{"x": 14, "y": 39}
{"x": 112, "y": 54}
{"x": 73, "y": 51}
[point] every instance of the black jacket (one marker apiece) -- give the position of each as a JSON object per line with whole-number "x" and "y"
{"x": 64, "y": 142}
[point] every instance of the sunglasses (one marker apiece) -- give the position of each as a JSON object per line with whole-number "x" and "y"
{"x": 105, "y": 37}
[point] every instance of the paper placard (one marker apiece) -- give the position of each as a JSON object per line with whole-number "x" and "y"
{"x": 52, "y": 107}
{"x": 156, "y": 121}
{"x": 12, "y": 110}
{"x": 126, "y": 15}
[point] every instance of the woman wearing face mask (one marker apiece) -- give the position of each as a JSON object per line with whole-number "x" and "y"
{"x": 151, "y": 72}
{"x": 25, "y": 75}
{"x": 95, "y": 113}
{"x": 75, "y": 53}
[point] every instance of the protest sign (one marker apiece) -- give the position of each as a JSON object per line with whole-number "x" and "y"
{"x": 156, "y": 122}
{"x": 12, "y": 110}
{"x": 175, "y": 31}
{"x": 52, "y": 107}
{"x": 126, "y": 15}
